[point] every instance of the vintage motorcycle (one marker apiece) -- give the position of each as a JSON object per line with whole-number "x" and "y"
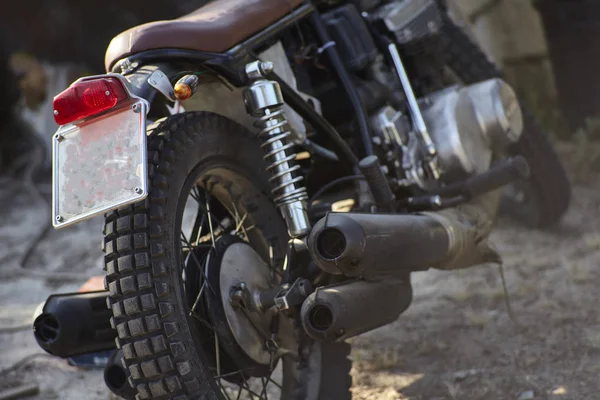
{"x": 271, "y": 172}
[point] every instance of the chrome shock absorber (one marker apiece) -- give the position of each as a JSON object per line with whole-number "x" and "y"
{"x": 263, "y": 100}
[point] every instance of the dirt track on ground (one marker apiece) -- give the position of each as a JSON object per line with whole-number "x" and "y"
{"x": 457, "y": 341}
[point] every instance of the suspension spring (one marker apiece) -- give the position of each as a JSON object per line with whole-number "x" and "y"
{"x": 264, "y": 101}
{"x": 280, "y": 156}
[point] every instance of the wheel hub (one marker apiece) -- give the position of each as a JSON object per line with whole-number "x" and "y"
{"x": 242, "y": 267}
{"x": 238, "y": 335}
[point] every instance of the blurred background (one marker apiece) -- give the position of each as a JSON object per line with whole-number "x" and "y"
{"x": 458, "y": 340}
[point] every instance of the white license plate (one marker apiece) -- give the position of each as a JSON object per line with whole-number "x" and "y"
{"x": 99, "y": 165}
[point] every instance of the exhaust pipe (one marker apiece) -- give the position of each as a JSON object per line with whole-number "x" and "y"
{"x": 71, "y": 324}
{"x": 116, "y": 376}
{"x": 382, "y": 246}
{"x": 339, "y": 312}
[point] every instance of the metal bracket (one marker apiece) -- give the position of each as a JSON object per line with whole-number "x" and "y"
{"x": 295, "y": 295}
{"x": 241, "y": 299}
{"x": 159, "y": 81}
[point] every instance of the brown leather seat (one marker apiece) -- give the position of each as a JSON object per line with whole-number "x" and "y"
{"x": 216, "y": 27}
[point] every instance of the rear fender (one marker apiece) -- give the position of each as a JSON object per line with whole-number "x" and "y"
{"x": 213, "y": 95}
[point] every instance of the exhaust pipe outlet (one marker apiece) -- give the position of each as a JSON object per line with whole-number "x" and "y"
{"x": 383, "y": 246}
{"x": 341, "y": 311}
{"x": 116, "y": 376}
{"x": 71, "y": 324}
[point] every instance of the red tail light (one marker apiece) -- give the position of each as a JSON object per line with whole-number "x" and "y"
{"x": 88, "y": 97}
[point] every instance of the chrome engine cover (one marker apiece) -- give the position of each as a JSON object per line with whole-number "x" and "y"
{"x": 472, "y": 123}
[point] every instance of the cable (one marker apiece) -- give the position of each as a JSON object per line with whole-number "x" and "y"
{"x": 320, "y": 150}
{"x": 320, "y": 124}
{"x": 333, "y": 183}
{"x": 342, "y": 74}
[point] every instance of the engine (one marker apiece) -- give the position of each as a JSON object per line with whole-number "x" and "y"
{"x": 470, "y": 124}
{"x": 462, "y": 127}
{"x": 467, "y": 125}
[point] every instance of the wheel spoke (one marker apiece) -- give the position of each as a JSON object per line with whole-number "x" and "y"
{"x": 264, "y": 389}
{"x": 239, "y": 371}
{"x": 212, "y": 234}
{"x": 217, "y": 355}
{"x": 203, "y": 322}
{"x": 250, "y": 391}
{"x": 198, "y": 297}
{"x": 239, "y": 222}
{"x": 192, "y": 253}
{"x": 223, "y": 390}
{"x": 209, "y": 219}
{"x": 274, "y": 383}
{"x": 268, "y": 378}
{"x": 206, "y": 209}
{"x": 197, "y": 229}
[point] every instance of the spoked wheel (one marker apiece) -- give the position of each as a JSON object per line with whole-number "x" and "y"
{"x": 249, "y": 353}
{"x": 184, "y": 269}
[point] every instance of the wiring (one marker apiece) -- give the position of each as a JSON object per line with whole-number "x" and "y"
{"x": 332, "y": 184}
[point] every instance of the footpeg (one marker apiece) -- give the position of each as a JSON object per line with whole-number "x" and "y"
{"x": 378, "y": 183}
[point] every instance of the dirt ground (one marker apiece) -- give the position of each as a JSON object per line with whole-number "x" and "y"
{"x": 456, "y": 342}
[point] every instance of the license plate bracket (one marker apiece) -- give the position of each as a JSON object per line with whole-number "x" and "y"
{"x": 99, "y": 164}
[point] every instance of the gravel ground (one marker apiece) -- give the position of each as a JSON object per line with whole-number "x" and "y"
{"x": 457, "y": 341}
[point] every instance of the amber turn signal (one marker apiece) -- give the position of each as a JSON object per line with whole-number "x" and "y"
{"x": 185, "y": 87}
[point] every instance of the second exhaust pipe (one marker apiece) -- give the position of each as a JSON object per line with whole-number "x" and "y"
{"x": 341, "y": 311}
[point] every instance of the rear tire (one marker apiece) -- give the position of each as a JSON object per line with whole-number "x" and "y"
{"x": 544, "y": 198}
{"x": 144, "y": 277}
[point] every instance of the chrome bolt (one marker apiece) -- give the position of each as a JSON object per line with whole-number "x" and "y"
{"x": 436, "y": 200}
{"x": 107, "y": 93}
{"x": 58, "y": 137}
{"x": 266, "y": 67}
{"x": 55, "y": 112}
{"x": 137, "y": 190}
{"x": 236, "y": 298}
{"x": 137, "y": 108}
{"x": 58, "y": 218}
